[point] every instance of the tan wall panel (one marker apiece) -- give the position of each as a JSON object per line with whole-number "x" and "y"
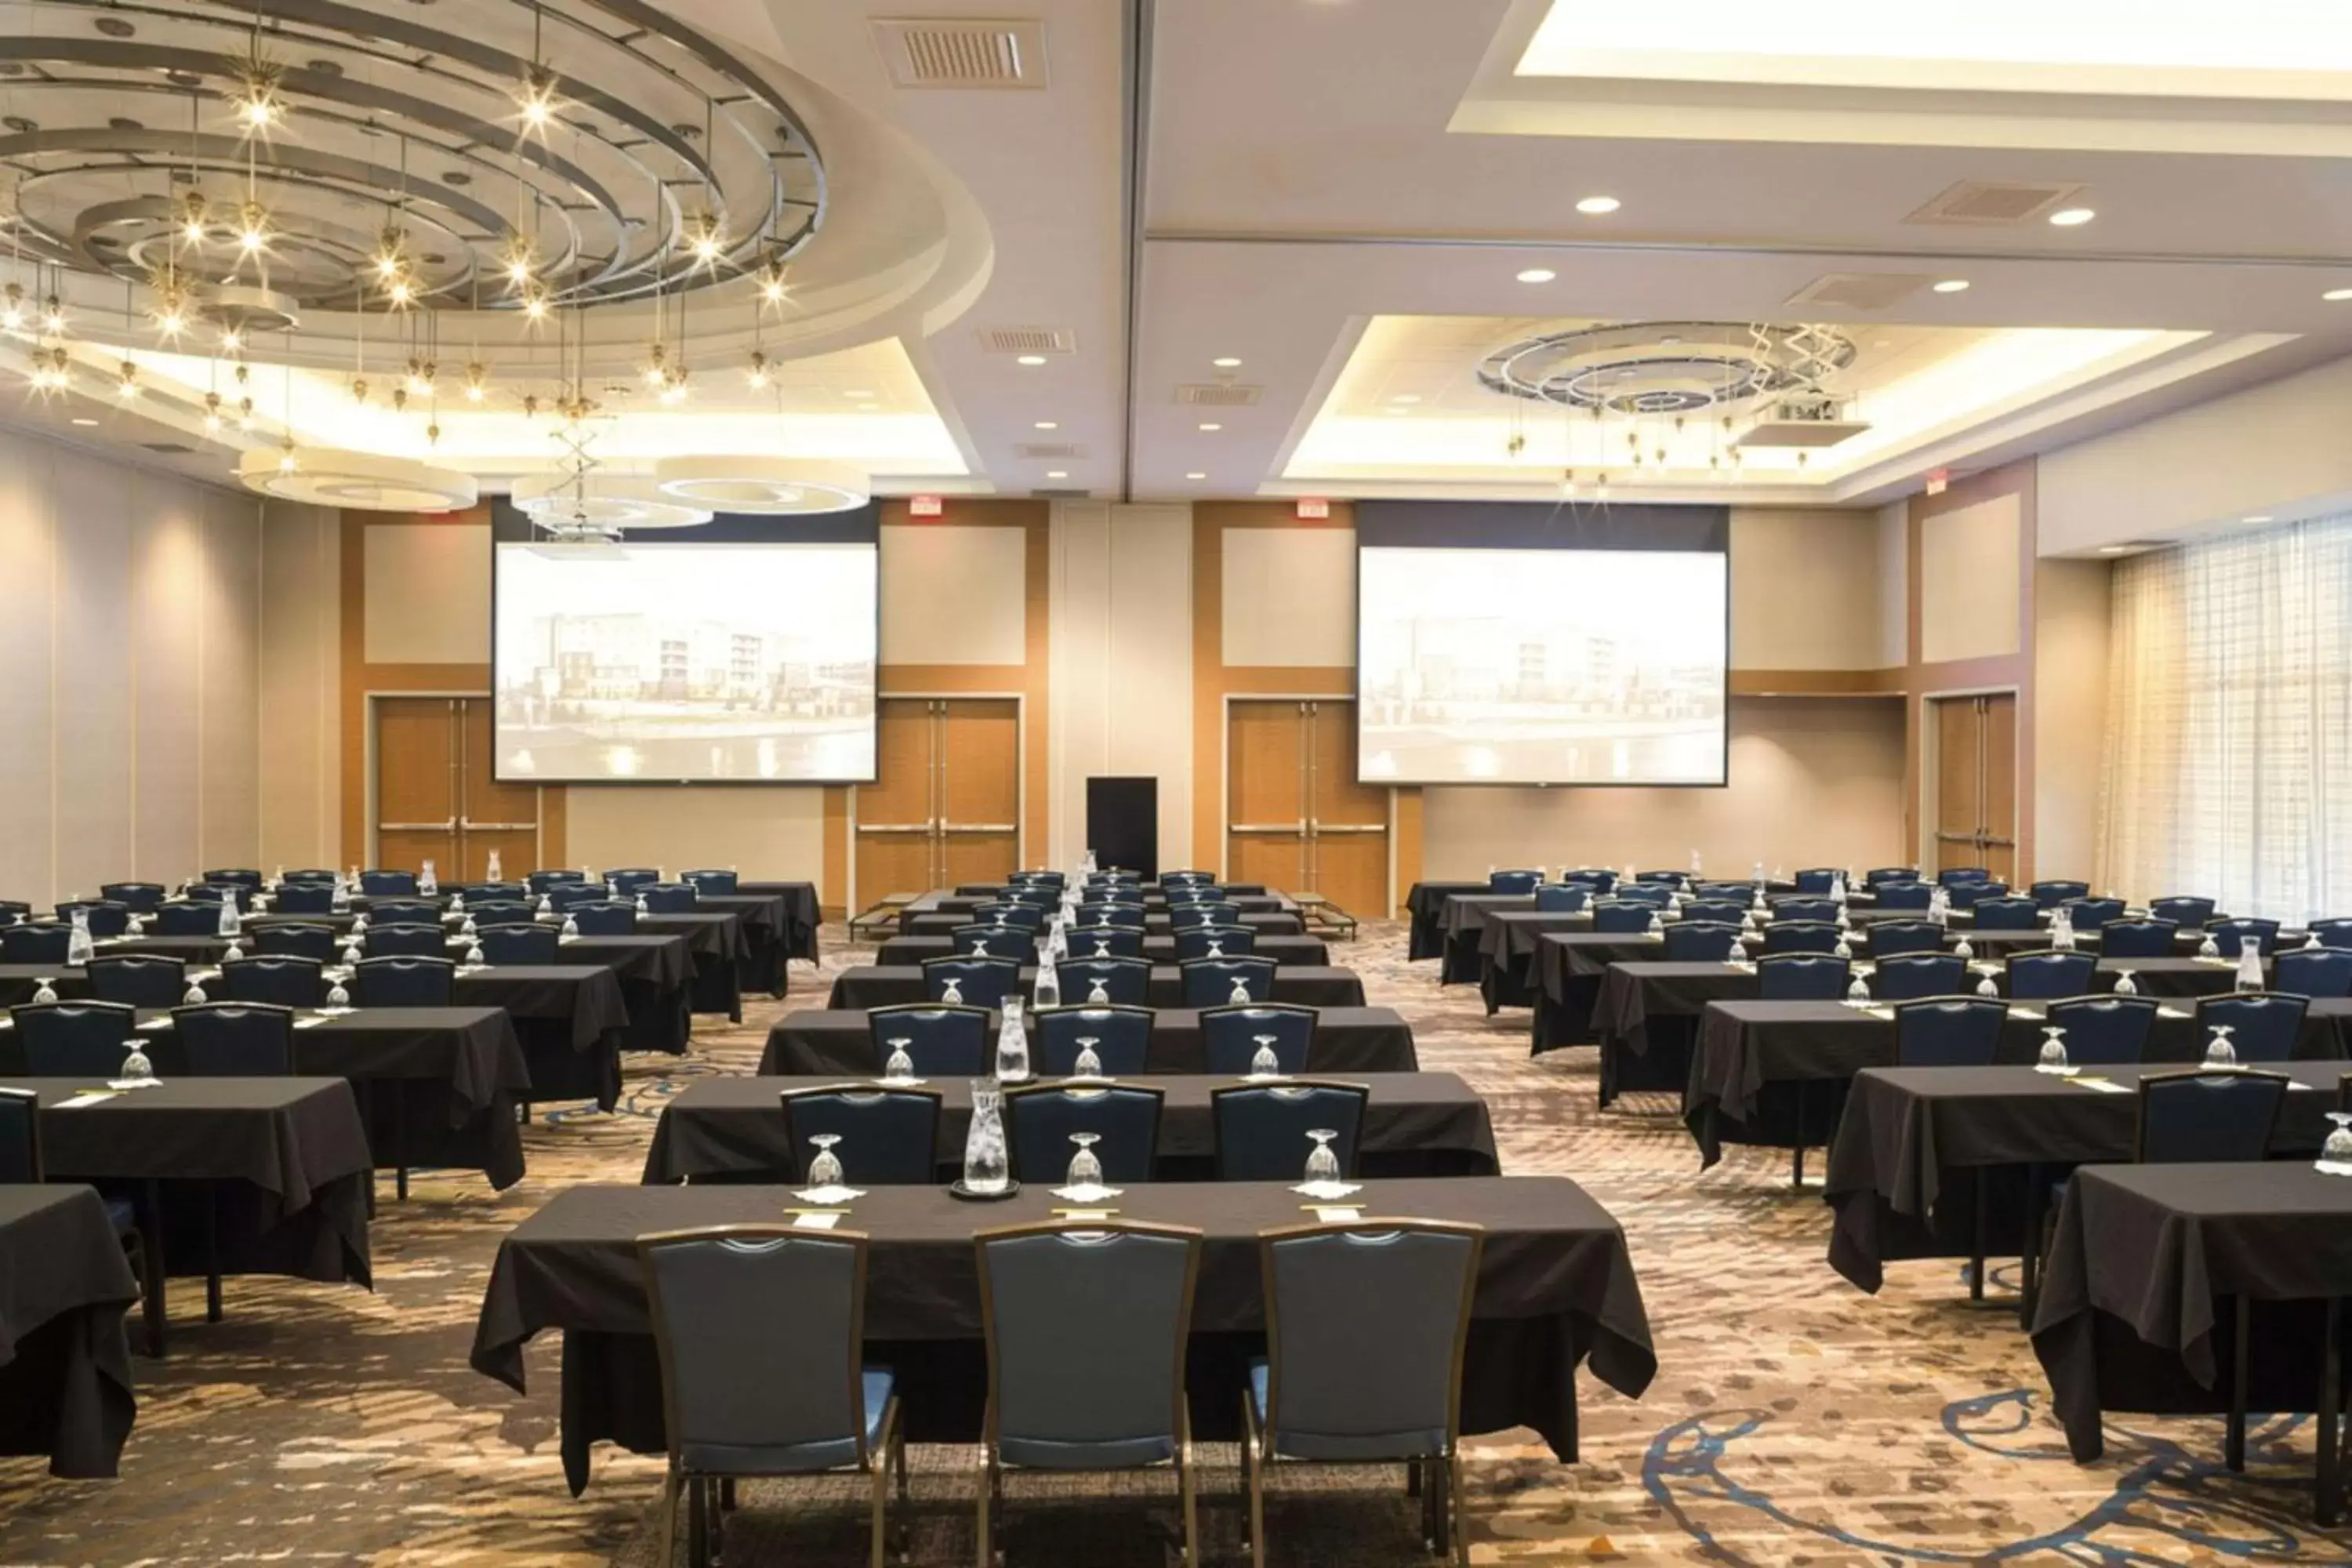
{"x": 1814, "y": 780}
{"x": 953, "y": 595}
{"x": 27, "y": 616}
{"x": 171, "y": 600}
{"x": 767, "y": 833}
{"x": 1289, "y": 596}
{"x": 428, "y": 594}
{"x": 229, "y": 828}
{"x": 93, "y": 503}
{"x": 2070, "y": 700}
{"x": 302, "y": 724}
{"x": 1805, "y": 589}
{"x": 1893, "y": 603}
{"x": 1969, "y": 581}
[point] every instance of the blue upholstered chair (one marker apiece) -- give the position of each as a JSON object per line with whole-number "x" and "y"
{"x": 2092, "y": 914}
{"x": 2050, "y": 893}
{"x": 1818, "y": 911}
{"x": 627, "y": 880}
{"x": 1800, "y": 936}
{"x": 1230, "y": 1036}
{"x": 140, "y": 898}
{"x": 2007, "y": 914}
{"x": 403, "y": 980}
{"x": 1195, "y": 942}
{"x": 889, "y": 1137}
{"x": 280, "y": 979}
{"x": 989, "y": 942}
{"x": 1562, "y": 898}
{"x": 1953, "y": 876}
{"x": 1713, "y": 911}
{"x": 1122, "y": 1038}
{"x": 941, "y": 1041}
{"x": 1948, "y": 1031}
{"x": 1210, "y": 981}
{"x": 1892, "y": 939}
{"x": 548, "y": 880}
{"x": 419, "y": 941}
{"x": 1916, "y": 974}
{"x": 74, "y": 1039}
{"x": 304, "y": 899}
{"x": 519, "y": 944}
{"x": 1967, "y": 895}
{"x": 1125, "y": 981}
{"x": 1690, "y": 942}
{"x": 106, "y": 917}
{"x": 2206, "y": 1118}
{"x": 1801, "y": 977}
{"x": 318, "y": 943}
{"x": 2185, "y": 911}
{"x": 2313, "y": 972}
{"x": 1207, "y": 912}
{"x": 2264, "y": 1025}
{"x": 388, "y": 884}
{"x": 500, "y": 912}
{"x": 1116, "y": 941}
{"x": 45, "y": 943}
{"x": 236, "y": 1039}
{"x": 1261, "y": 1128}
{"x": 1905, "y": 895}
{"x": 671, "y": 898}
{"x": 236, "y": 876}
{"x": 563, "y": 897}
{"x": 2040, "y": 976}
{"x": 604, "y": 917}
{"x": 1520, "y": 882}
{"x": 1623, "y": 916}
{"x": 403, "y": 912}
{"x": 1006, "y": 912}
{"x": 714, "y": 884}
{"x": 1040, "y": 1118}
{"x": 1818, "y": 878}
{"x": 2232, "y": 935}
{"x": 143, "y": 979}
{"x": 1656, "y": 895}
{"x": 2104, "y": 1031}
{"x": 1886, "y": 874}
{"x": 2138, "y": 939}
{"x": 1107, "y": 912}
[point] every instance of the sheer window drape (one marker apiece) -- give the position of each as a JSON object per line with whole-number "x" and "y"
{"x": 2228, "y": 744}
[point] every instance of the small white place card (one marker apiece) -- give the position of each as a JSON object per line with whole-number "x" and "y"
{"x": 1336, "y": 1214}
{"x": 309, "y": 1023}
{"x": 816, "y": 1219}
{"x": 2106, "y": 1085}
{"x": 85, "y": 1099}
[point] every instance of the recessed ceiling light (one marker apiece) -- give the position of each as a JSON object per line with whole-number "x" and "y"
{"x": 1952, "y": 285}
{"x": 1212, "y": 426}
{"x": 85, "y": 421}
{"x": 2072, "y": 217}
{"x": 1226, "y": 362}
{"x": 2337, "y": 296}
{"x": 1538, "y": 275}
{"x": 1057, "y": 473}
{"x": 1598, "y": 206}
{"x": 1047, "y": 424}
{"x": 1031, "y": 359}
{"x": 1196, "y": 474}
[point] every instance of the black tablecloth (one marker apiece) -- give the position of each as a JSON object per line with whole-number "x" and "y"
{"x": 1416, "y": 1124}
{"x": 1347, "y": 1041}
{"x": 965, "y": 899}
{"x": 1506, "y": 952}
{"x": 571, "y": 1019}
{"x": 1310, "y": 986}
{"x": 1160, "y": 949}
{"x": 802, "y": 913}
{"x": 766, "y": 922}
{"x": 1902, "y": 1172}
{"x": 1569, "y": 966}
{"x": 715, "y": 939}
{"x": 1555, "y": 1286}
{"x": 1155, "y": 923}
{"x": 283, "y": 1161}
{"x": 657, "y": 976}
{"x": 1462, "y": 918}
{"x": 2132, "y": 1314}
{"x": 1423, "y": 905}
{"x": 65, "y": 1363}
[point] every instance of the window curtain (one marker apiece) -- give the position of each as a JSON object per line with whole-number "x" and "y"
{"x": 2228, "y": 737}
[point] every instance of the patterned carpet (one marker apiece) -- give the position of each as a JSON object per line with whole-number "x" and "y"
{"x": 1793, "y": 1421}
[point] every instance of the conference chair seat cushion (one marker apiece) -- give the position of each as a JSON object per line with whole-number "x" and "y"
{"x": 1337, "y": 1448}
{"x": 1094, "y": 1454}
{"x": 797, "y": 1459}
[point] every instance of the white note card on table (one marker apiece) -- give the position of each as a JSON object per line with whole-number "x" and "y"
{"x": 824, "y": 1220}
{"x": 2106, "y": 1085}
{"x": 84, "y": 1101}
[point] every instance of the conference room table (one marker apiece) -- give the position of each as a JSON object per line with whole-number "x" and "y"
{"x": 803, "y": 914}
{"x": 65, "y": 1359}
{"x": 242, "y": 1175}
{"x": 964, "y": 900}
{"x": 1347, "y": 1041}
{"x": 655, "y": 972}
{"x": 435, "y": 1086}
{"x": 1160, "y": 949}
{"x": 1922, "y": 1152}
{"x": 1556, "y": 1289}
{"x": 1308, "y": 985}
{"x": 1416, "y": 1124}
{"x": 1777, "y": 1073}
{"x": 1155, "y": 923}
{"x": 2148, "y": 1269}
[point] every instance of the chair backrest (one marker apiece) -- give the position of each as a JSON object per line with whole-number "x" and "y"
{"x": 565, "y": 897}
{"x": 1086, "y": 1327}
{"x": 2232, "y": 935}
{"x": 144, "y": 979}
{"x": 1228, "y": 1035}
{"x": 1818, "y": 878}
{"x": 1196, "y": 893}
{"x": 1596, "y": 878}
{"x": 388, "y": 884}
{"x": 44, "y": 944}
{"x": 1208, "y": 913}
{"x": 403, "y": 980}
{"x": 2186, "y": 910}
{"x": 2202, "y": 1117}
{"x": 1801, "y": 976}
{"x": 1823, "y": 910}
{"x": 1194, "y": 942}
{"x": 671, "y": 898}
{"x": 1107, "y": 912}
{"x": 2092, "y": 914}
{"x": 14, "y": 909}
{"x": 1114, "y": 941}
{"x": 1656, "y": 895}
{"x": 1662, "y": 878}
{"x": 2039, "y": 976}
{"x": 2332, "y": 932}
{"x": 1884, "y": 874}
{"x": 403, "y": 912}
{"x": 20, "y": 1136}
{"x": 235, "y": 1039}
{"x": 2049, "y": 894}
{"x": 1122, "y": 1037}
{"x": 1562, "y": 898}
{"x": 1126, "y": 981}
{"x": 548, "y": 880}
{"x": 1622, "y": 916}
{"x": 604, "y": 917}
{"x": 1948, "y": 1031}
{"x": 2104, "y": 1031}
{"x": 1800, "y": 936}
{"x": 1513, "y": 881}
{"x": 1040, "y": 1118}
{"x": 2007, "y": 914}
{"x": 2313, "y": 972}
{"x": 1905, "y": 895}
{"x": 1952, "y": 876}
{"x": 500, "y": 912}
{"x": 301, "y": 941}
{"x": 1209, "y": 982}
{"x": 711, "y": 884}
{"x": 519, "y": 944}
{"x": 2264, "y": 1025}
{"x": 988, "y": 942}
{"x": 889, "y": 1137}
{"x": 281, "y": 979}
{"x": 1039, "y": 896}
{"x": 1170, "y": 878}
{"x": 105, "y": 917}
{"x": 1261, "y": 1128}
{"x": 941, "y": 1041}
{"x": 236, "y": 876}
{"x": 2138, "y": 939}
{"x": 1890, "y": 939}
{"x": 1697, "y": 942}
{"x": 629, "y": 879}
{"x": 304, "y": 899}
{"x": 1005, "y": 912}
{"x": 236, "y": 893}
{"x": 1390, "y": 1294}
{"x": 140, "y": 898}
{"x": 74, "y": 1039}
{"x": 1709, "y": 911}
{"x": 1910, "y": 975}
{"x": 421, "y": 941}
{"x": 169, "y": 920}
{"x": 761, "y": 1332}
{"x": 1967, "y": 895}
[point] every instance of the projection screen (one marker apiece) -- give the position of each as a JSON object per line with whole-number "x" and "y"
{"x": 725, "y": 660}
{"x": 1578, "y": 660}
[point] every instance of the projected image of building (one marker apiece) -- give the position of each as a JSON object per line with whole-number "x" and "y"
{"x": 660, "y": 659}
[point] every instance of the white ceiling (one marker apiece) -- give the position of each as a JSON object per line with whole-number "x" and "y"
{"x": 1273, "y": 180}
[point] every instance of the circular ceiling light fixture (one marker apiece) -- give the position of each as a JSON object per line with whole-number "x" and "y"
{"x": 1599, "y": 206}
{"x": 766, "y": 487}
{"x": 2072, "y": 217}
{"x": 602, "y": 501}
{"x": 1538, "y": 275}
{"x": 1952, "y": 285}
{"x": 359, "y": 481}
{"x": 2337, "y": 296}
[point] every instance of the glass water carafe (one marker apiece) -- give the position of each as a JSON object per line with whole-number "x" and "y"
{"x": 80, "y": 949}
{"x": 987, "y": 1168}
{"x": 1012, "y": 1045}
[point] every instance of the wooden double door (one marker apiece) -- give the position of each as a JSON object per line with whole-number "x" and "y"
{"x": 1976, "y": 783}
{"x": 1296, "y": 818}
{"x": 435, "y": 798}
{"x": 945, "y": 803}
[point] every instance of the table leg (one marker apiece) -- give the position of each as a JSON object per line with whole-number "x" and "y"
{"x": 2233, "y": 1440}
{"x": 153, "y": 1278}
{"x": 698, "y": 1522}
{"x": 1977, "y": 1255}
{"x": 212, "y": 1253}
{"x": 2029, "y": 1256}
{"x": 1797, "y": 1155}
{"x": 2326, "y": 1504}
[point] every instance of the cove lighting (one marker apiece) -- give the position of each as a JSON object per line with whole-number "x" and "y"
{"x": 1598, "y": 206}
{"x": 1952, "y": 285}
{"x": 1538, "y": 275}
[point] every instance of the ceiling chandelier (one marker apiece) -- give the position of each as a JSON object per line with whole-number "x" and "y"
{"x": 435, "y": 198}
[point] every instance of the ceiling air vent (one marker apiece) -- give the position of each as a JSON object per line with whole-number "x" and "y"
{"x": 1995, "y": 203}
{"x": 1028, "y": 341}
{"x": 1050, "y": 493}
{"x": 1042, "y": 451}
{"x": 1218, "y": 395}
{"x": 953, "y": 52}
{"x": 1860, "y": 290}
